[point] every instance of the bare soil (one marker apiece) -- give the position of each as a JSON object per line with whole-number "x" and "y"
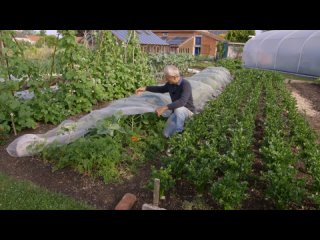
{"x": 307, "y": 96}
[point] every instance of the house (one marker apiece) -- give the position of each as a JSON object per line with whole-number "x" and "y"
{"x": 29, "y": 38}
{"x": 79, "y": 39}
{"x": 195, "y": 42}
{"x": 33, "y": 38}
{"x": 180, "y": 44}
{"x": 149, "y": 41}
{"x": 219, "y": 32}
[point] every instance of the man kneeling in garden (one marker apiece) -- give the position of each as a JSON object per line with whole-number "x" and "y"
{"x": 181, "y": 96}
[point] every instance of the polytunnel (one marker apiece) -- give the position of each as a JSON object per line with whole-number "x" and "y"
{"x": 206, "y": 85}
{"x": 292, "y": 51}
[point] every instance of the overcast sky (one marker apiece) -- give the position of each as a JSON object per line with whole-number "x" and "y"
{"x": 51, "y": 32}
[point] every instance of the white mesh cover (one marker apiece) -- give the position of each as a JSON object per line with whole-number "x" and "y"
{"x": 206, "y": 85}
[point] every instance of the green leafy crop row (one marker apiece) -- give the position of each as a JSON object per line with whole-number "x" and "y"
{"x": 215, "y": 153}
{"x": 109, "y": 70}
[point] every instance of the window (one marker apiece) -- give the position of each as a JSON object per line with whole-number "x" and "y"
{"x": 197, "y": 51}
{"x": 198, "y": 40}
{"x": 165, "y": 34}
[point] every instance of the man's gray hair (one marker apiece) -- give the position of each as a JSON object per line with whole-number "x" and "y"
{"x": 172, "y": 71}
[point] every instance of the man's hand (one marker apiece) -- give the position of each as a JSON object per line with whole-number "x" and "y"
{"x": 160, "y": 110}
{"x": 140, "y": 90}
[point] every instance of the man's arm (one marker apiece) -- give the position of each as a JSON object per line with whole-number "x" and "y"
{"x": 181, "y": 102}
{"x": 161, "y": 110}
{"x": 158, "y": 89}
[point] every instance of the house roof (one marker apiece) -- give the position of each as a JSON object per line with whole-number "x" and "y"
{"x": 145, "y": 37}
{"x": 203, "y": 32}
{"x": 217, "y": 32}
{"x": 177, "y": 40}
{"x": 29, "y": 38}
{"x": 208, "y": 34}
{"x": 33, "y": 38}
{"x": 23, "y": 39}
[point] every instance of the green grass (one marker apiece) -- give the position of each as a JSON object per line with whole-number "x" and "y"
{"x": 22, "y": 195}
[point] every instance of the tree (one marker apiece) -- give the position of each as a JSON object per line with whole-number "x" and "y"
{"x": 51, "y": 41}
{"x": 48, "y": 40}
{"x": 43, "y": 33}
{"x": 239, "y": 35}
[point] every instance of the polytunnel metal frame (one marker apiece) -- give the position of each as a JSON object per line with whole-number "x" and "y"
{"x": 275, "y": 55}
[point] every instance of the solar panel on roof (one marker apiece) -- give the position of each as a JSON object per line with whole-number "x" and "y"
{"x": 145, "y": 37}
{"x": 177, "y": 40}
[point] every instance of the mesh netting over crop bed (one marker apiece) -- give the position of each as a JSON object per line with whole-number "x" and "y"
{"x": 206, "y": 85}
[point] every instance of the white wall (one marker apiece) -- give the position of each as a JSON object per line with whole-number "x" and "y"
{"x": 235, "y": 50}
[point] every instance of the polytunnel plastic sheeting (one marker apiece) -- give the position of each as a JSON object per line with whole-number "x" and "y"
{"x": 30, "y": 144}
{"x": 293, "y": 51}
{"x": 310, "y": 57}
